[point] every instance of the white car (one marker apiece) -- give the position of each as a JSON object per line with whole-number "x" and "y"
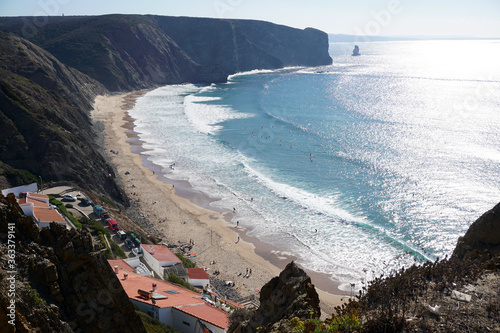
{"x": 69, "y": 197}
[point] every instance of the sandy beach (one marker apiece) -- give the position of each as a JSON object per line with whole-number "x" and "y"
{"x": 182, "y": 218}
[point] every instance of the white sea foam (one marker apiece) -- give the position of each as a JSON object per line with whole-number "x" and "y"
{"x": 205, "y": 117}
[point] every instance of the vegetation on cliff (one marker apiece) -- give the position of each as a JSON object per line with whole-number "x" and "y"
{"x": 45, "y": 127}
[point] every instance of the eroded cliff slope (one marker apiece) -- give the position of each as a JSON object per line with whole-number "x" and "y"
{"x": 126, "y": 52}
{"x": 45, "y": 126}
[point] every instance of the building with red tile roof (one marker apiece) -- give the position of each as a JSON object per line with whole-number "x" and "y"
{"x": 37, "y": 206}
{"x": 198, "y": 277}
{"x": 121, "y": 266}
{"x": 174, "y": 305}
{"x": 206, "y": 313}
{"x": 159, "y": 256}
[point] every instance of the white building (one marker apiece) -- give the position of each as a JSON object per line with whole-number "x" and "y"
{"x": 37, "y": 206}
{"x": 198, "y": 277}
{"x": 159, "y": 256}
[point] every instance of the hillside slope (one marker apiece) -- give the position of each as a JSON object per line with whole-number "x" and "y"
{"x": 127, "y": 52}
{"x": 45, "y": 125}
{"x": 61, "y": 283}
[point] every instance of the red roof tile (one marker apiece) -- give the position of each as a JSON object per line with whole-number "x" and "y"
{"x": 161, "y": 253}
{"x": 179, "y": 297}
{"x": 34, "y": 195}
{"x": 122, "y": 266}
{"x": 47, "y": 215}
{"x": 36, "y": 202}
{"x": 207, "y": 313}
{"x": 197, "y": 273}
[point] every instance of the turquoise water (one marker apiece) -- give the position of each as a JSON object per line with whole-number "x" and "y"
{"x": 358, "y": 168}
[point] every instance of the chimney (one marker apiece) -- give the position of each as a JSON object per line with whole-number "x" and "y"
{"x": 116, "y": 269}
{"x": 151, "y": 250}
{"x": 154, "y": 286}
{"x": 125, "y": 275}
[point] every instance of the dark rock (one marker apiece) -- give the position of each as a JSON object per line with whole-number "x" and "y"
{"x": 289, "y": 295}
{"x": 355, "y": 52}
{"x": 483, "y": 237}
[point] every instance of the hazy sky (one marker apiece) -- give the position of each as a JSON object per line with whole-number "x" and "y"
{"x": 479, "y": 18}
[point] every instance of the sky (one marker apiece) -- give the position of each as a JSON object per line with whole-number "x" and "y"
{"x": 478, "y": 18}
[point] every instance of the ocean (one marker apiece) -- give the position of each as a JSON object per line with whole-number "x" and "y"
{"x": 360, "y": 168}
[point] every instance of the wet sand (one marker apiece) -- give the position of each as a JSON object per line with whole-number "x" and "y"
{"x": 178, "y": 213}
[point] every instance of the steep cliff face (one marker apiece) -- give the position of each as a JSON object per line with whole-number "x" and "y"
{"x": 61, "y": 284}
{"x": 45, "y": 125}
{"x": 126, "y": 52}
{"x": 225, "y": 47}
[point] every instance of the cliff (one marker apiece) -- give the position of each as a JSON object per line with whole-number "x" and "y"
{"x": 128, "y": 52}
{"x": 60, "y": 283}
{"x": 482, "y": 240}
{"x": 45, "y": 125}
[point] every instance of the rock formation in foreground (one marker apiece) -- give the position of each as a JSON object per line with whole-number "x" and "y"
{"x": 61, "y": 283}
{"x": 483, "y": 237}
{"x": 289, "y": 295}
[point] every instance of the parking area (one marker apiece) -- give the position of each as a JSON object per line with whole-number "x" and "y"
{"x": 82, "y": 206}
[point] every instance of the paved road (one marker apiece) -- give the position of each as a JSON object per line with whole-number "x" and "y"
{"x": 60, "y": 191}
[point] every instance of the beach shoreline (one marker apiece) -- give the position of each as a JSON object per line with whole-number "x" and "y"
{"x": 178, "y": 213}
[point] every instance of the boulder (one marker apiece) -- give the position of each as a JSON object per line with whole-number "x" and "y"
{"x": 289, "y": 295}
{"x": 483, "y": 237}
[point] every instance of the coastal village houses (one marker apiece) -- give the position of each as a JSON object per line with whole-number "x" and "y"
{"x": 171, "y": 304}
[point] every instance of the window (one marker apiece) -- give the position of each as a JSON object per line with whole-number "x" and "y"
{"x": 186, "y": 323}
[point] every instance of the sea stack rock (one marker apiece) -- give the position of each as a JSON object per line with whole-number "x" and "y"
{"x": 289, "y": 295}
{"x": 355, "y": 52}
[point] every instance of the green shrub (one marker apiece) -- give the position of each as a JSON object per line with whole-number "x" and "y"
{"x": 174, "y": 278}
{"x": 117, "y": 250}
{"x": 185, "y": 261}
{"x": 69, "y": 205}
{"x": 64, "y": 211}
{"x": 95, "y": 226}
{"x": 154, "y": 325}
{"x": 18, "y": 177}
{"x": 36, "y": 296}
{"x": 108, "y": 201}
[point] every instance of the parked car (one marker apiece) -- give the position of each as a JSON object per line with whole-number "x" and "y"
{"x": 69, "y": 197}
{"x": 137, "y": 250}
{"x": 85, "y": 201}
{"x": 105, "y": 216}
{"x": 121, "y": 234}
{"x": 98, "y": 210}
{"x": 130, "y": 244}
{"x": 134, "y": 238}
{"x": 113, "y": 225}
